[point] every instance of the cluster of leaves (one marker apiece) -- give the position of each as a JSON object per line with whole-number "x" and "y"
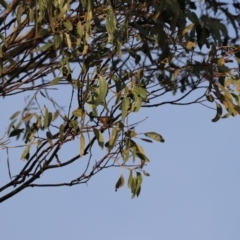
{"x": 117, "y": 57}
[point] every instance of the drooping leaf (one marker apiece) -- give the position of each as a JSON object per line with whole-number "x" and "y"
{"x": 99, "y": 137}
{"x": 113, "y": 138}
{"x": 142, "y": 156}
{"x": 119, "y": 183}
{"x": 218, "y": 113}
{"x": 139, "y": 182}
{"x": 47, "y": 118}
{"x": 49, "y": 138}
{"x": 130, "y": 178}
{"x": 25, "y": 154}
{"x": 82, "y": 144}
{"x": 125, "y": 106}
{"x": 102, "y": 91}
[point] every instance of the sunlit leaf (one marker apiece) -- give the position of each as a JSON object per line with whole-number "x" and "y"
{"x": 188, "y": 28}
{"x": 82, "y": 145}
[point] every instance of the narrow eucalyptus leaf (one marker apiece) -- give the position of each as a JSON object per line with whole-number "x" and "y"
{"x": 155, "y": 136}
{"x": 218, "y": 113}
{"x": 25, "y": 152}
{"x": 82, "y": 145}
{"x": 119, "y": 183}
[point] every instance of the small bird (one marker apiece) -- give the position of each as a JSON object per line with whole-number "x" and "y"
{"x": 106, "y": 120}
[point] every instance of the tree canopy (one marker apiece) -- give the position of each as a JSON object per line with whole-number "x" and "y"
{"x": 116, "y": 57}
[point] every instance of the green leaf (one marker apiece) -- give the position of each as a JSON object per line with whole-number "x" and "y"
{"x": 133, "y": 186}
{"x": 44, "y": 47}
{"x": 102, "y": 91}
{"x": 137, "y": 102}
{"x": 142, "y": 156}
{"x": 155, "y": 136}
{"x": 68, "y": 25}
{"x": 25, "y": 154}
{"x": 139, "y": 182}
{"x": 55, "y": 115}
{"x": 61, "y": 132}
{"x": 56, "y": 41}
{"x": 113, "y": 138}
{"x": 218, "y": 114}
{"x": 99, "y": 137}
{"x": 130, "y": 133}
{"x": 140, "y": 92}
{"x": 55, "y": 81}
{"x": 77, "y": 112}
{"x": 138, "y": 191}
{"x": 47, "y": 118}
{"x": 27, "y": 117}
{"x": 82, "y": 145}
{"x": 68, "y": 40}
{"x": 80, "y": 29}
{"x": 15, "y": 115}
{"x": 119, "y": 183}
{"x": 125, "y": 155}
{"x": 125, "y": 106}
{"x": 188, "y": 28}
{"x": 130, "y": 178}
{"x": 49, "y": 138}
{"x": 210, "y": 98}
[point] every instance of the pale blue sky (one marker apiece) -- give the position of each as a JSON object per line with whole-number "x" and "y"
{"x": 192, "y": 193}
